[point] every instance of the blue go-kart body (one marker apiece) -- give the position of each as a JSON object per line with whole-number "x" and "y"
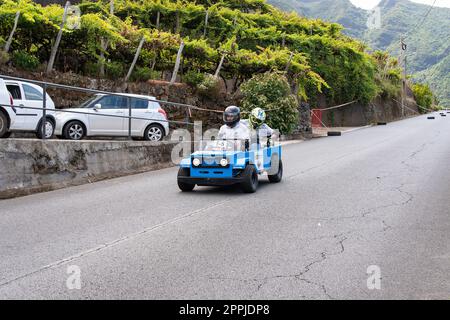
{"x": 223, "y": 167}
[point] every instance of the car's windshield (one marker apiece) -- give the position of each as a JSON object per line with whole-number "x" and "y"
{"x": 88, "y": 102}
{"x": 222, "y": 145}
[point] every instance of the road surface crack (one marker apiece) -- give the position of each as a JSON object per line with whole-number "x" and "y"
{"x": 300, "y": 276}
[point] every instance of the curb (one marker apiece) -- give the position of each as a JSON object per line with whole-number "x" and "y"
{"x": 359, "y": 128}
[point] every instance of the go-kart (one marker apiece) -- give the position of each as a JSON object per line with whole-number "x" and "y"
{"x": 230, "y": 162}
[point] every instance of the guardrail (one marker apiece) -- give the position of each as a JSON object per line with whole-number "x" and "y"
{"x": 45, "y": 85}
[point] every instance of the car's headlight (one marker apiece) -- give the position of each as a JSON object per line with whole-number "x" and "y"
{"x": 224, "y": 162}
{"x": 196, "y": 162}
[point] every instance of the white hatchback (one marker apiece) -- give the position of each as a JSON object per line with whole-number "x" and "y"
{"x": 106, "y": 115}
{"x": 7, "y": 111}
{"x": 25, "y": 94}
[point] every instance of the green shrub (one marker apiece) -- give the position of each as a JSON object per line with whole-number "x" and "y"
{"x": 194, "y": 78}
{"x": 4, "y": 57}
{"x": 144, "y": 74}
{"x": 389, "y": 89}
{"x": 114, "y": 70}
{"x": 209, "y": 87}
{"x": 271, "y": 91}
{"x": 424, "y": 96}
{"x": 24, "y": 60}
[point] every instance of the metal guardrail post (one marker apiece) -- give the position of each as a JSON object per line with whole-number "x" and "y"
{"x": 187, "y": 119}
{"x": 44, "y": 112}
{"x": 129, "y": 119}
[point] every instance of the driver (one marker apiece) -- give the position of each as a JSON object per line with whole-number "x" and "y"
{"x": 234, "y": 128}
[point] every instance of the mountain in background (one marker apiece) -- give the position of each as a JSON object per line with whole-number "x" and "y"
{"x": 428, "y": 41}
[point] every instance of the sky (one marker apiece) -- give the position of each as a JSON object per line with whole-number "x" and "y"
{"x": 369, "y": 4}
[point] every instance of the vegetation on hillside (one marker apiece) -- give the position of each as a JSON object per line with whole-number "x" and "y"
{"x": 424, "y": 97}
{"x": 253, "y": 36}
{"x": 428, "y": 46}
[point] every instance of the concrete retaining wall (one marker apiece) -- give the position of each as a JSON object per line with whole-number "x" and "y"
{"x": 29, "y": 166}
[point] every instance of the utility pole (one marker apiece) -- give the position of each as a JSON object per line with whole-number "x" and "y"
{"x": 403, "y": 48}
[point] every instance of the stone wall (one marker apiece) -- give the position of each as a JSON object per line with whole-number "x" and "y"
{"x": 29, "y": 166}
{"x": 380, "y": 110}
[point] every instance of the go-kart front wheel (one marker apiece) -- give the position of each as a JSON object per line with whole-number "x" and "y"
{"x": 250, "y": 183}
{"x": 185, "y": 187}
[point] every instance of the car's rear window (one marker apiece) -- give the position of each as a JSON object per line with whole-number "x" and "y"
{"x": 139, "y": 103}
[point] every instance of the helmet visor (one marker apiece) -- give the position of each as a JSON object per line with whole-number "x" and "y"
{"x": 228, "y": 117}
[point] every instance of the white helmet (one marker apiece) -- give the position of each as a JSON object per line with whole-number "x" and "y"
{"x": 257, "y": 117}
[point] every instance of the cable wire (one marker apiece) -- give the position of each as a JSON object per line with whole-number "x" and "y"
{"x": 421, "y": 22}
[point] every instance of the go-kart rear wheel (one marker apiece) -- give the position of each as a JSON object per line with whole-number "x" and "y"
{"x": 185, "y": 187}
{"x": 250, "y": 183}
{"x": 275, "y": 178}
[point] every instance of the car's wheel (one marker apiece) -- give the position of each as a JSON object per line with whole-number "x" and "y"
{"x": 74, "y": 130}
{"x": 3, "y": 125}
{"x": 185, "y": 187}
{"x": 275, "y": 178}
{"x": 154, "y": 132}
{"x": 49, "y": 129}
{"x": 250, "y": 183}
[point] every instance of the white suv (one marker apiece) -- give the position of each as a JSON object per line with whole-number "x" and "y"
{"x": 25, "y": 94}
{"x": 7, "y": 112}
{"x": 94, "y": 121}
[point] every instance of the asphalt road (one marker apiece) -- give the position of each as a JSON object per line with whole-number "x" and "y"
{"x": 374, "y": 197}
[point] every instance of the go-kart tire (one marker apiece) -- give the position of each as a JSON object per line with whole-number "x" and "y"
{"x": 334, "y": 133}
{"x": 276, "y": 178}
{"x": 251, "y": 181}
{"x": 185, "y": 187}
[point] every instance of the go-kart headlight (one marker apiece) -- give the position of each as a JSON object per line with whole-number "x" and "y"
{"x": 224, "y": 162}
{"x": 196, "y": 162}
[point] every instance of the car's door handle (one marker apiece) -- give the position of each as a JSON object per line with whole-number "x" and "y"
{"x": 21, "y": 105}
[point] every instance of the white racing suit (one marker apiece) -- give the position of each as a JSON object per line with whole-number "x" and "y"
{"x": 242, "y": 131}
{"x": 239, "y": 132}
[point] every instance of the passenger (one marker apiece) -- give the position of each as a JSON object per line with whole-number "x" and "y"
{"x": 257, "y": 127}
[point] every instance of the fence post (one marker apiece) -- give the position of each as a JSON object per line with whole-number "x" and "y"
{"x": 51, "y": 61}
{"x": 129, "y": 117}
{"x": 205, "y": 30}
{"x": 11, "y": 35}
{"x": 136, "y": 56}
{"x": 187, "y": 118}
{"x": 44, "y": 112}
{"x": 216, "y": 74}
{"x": 177, "y": 63}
